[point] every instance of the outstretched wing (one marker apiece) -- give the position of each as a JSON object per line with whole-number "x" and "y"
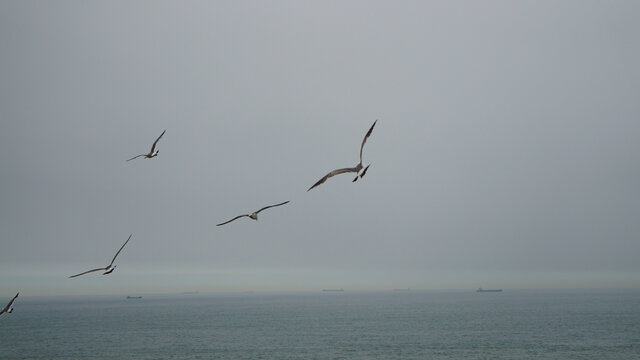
{"x": 86, "y": 272}
{"x": 155, "y": 142}
{"x": 6, "y": 308}
{"x": 270, "y": 206}
{"x": 12, "y": 300}
{"x": 237, "y": 217}
{"x": 366, "y": 137}
{"x": 334, "y": 172}
{"x": 135, "y": 157}
{"x": 116, "y": 255}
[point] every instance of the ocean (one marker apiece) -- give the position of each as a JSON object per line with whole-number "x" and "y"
{"x": 342, "y": 325}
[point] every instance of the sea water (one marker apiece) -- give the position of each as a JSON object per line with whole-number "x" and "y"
{"x": 344, "y": 325}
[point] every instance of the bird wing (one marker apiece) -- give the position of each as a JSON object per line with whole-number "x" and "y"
{"x": 366, "y": 137}
{"x": 334, "y": 172}
{"x": 270, "y": 206}
{"x": 6, "y": 308}
{"x": 135, "y": 157}
{"x": 116, "y": 255}
{"x": 155, "y": 142}
{"x": 237, "y": 217}
{"x": 12, "y": 300}
{"x": 86, "y": 272}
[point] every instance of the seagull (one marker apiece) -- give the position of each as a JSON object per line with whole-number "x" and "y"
{"x": 359, "y": 169}
{"x": 109, "y": 268}
{"x": 253, "y": 215}
{"x": 8, "y": 309}
{"x": 151, "y": 153}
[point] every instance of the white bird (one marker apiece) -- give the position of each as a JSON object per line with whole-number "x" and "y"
{"x": 153, "y": 152}
{"x": 359, "y": 169}
{"x": 8, "y": 309}
{"x": 253, "y": 215}
{"x": 109, "y": 268}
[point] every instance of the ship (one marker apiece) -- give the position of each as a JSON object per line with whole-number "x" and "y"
{"x": 134, "y": 297}
{"x": 332, "y": 290}
{"x": 488, "y": 290}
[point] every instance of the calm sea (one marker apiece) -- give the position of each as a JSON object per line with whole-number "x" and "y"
{"x": 393, "y": 325}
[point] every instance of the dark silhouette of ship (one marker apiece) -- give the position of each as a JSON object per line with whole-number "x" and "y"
{"x": 488, "y": 290}
{"x": 134, "y": 297}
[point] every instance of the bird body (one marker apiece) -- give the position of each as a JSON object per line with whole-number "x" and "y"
{"x": 359, "y": 169}
{"x": 109, "y": 268}
{"x": 253, "y": 215}
{"x": 153, "y": 152}
{"x": 361, "y": 172}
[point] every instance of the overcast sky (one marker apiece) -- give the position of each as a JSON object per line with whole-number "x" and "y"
{"x": 505, "y": 154}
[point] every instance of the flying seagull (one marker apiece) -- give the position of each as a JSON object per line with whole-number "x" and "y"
{"x": 8, "y": 309}
{"x": 109, "y": 268}
{"x": 359, "y": 169}
{"x": 253, "y": 215}
{"x": 153, "y": 152}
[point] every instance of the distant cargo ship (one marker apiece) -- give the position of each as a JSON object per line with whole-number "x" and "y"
{"x": 488, "y": 290}
{"x": 134, "y": 297}
{"x": 332, "y": 290}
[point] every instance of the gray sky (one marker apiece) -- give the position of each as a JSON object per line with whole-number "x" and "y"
{"x": 505, "y": 154}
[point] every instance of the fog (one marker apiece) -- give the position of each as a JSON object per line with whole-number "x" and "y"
{"x": 505, "y": 153}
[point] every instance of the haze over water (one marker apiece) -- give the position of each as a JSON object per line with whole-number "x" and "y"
{"x": 505, "y": 154}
